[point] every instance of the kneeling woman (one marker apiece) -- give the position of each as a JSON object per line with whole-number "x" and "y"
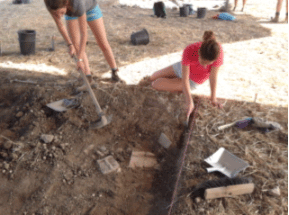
{"x": 201, "y": 61}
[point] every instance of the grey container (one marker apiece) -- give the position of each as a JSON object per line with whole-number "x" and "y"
{"x": 140, "y": 37}
{"x": 27, "y": 41}
{"x": 202, "y": 11}
{"x": 184, "y": 11}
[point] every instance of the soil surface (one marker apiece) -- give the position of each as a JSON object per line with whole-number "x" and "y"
{"x": 63, "y": 177}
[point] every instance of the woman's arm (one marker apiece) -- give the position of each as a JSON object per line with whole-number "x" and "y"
{"x": 83, "y": 32}
{"x": 213, "y": 84}
{"x": 61, "y": 29}
{"x": 186, "y": 89}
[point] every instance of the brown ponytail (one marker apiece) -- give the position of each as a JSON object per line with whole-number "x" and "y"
{"x": 55, "y": 4}
{"x": 210, "y": 49}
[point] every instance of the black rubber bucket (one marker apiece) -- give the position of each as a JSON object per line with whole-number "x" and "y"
{"x": 184, "y": 11}
{"x": 17, "y": 2}
{"x": 27, "y": 41}
{"x": 190, "y": 6}
{"x": 202, "y": 11}
{"x": 140, "y": 37}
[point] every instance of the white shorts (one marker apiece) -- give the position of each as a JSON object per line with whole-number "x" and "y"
{"x": 178, "y": 71}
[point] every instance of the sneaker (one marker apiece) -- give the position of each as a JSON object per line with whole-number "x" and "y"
{"x": 84, "y": 88}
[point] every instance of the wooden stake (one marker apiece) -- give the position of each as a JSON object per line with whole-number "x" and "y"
{"x": 233, "y": 190}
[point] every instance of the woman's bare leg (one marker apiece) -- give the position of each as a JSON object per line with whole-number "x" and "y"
{"x": 166, "y": 80}
{"x": 98, "y": 30}
{"x": 168, "y": 84}
{"x": 236, "y": 2}
{"x": 167, "y": 72}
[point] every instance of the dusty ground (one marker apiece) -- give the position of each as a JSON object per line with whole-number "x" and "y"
{"x": 63, "y": 178}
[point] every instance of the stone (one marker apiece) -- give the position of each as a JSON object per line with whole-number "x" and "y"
{"x": 19, "y": 114}
{"x": 8, "y": 145}
{"x": 275, "y": 191}
{"x": 142, "y": 159}
{"x": 14, "y": 156}
{"x": 62, "y": 146}
{"x": 108, "y": 165}
{"x": 164, "y": 141}
{"x": 3, "y": 154}
{"x": 119, "y": 150}
{"x": 47, "y": 138}
{"x": 6, "y": 165}
{"x": 102, "y": 148}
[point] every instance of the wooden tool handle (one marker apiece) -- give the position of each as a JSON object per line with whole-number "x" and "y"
{"x": 226, "y": 126}
{"x": 232, "y": 190}
{"x": 91, "y": 93}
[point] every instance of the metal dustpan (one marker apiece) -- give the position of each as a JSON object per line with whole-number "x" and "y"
{"x": 226, "y": 163}
{"x": 64, "y": 104}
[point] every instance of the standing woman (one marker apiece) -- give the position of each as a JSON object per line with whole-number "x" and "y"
{"x": 201, "y": 61}
{"x": 79, "y": 14}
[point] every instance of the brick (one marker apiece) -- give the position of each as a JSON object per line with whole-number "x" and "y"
{"x": 142, "y": 159}
{"x": 108, "y": 165}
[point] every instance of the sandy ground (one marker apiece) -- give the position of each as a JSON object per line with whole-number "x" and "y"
{"x": 62, "y": 177}
{"x": 256, "y": 66}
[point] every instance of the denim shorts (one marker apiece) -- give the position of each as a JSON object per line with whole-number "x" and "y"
{"x": 91, "y": 15}
{"x": 178, "y": 71}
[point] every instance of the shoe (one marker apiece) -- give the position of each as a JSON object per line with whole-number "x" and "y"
{"x": 115, "y": 77}
{"x": 84, "y": 88}
{"x": 276, "y": 18}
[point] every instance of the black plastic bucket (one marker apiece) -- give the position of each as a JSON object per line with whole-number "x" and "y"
{"x": 140, "y": 37}
{"x": 202, "y": 11}
{"x": 190, "y": 6}
{"x": 17, "y": 2}
{"x": 184, "y": 11}
{"x": 27, "y": 41}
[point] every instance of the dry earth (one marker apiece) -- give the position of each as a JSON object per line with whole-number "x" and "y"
{"x": 62, "y": 177}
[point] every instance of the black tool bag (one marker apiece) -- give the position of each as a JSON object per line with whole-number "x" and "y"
{"x": 159, "y": 9}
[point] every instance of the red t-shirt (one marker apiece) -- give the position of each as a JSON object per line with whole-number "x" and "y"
{"x": 198, "y": 73}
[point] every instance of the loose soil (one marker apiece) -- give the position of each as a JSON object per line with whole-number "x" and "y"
{"x": 63, "y": 177}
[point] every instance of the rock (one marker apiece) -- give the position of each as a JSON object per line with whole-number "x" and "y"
{"x": 99, "y": 153}
{"x": 6, "y": 165}
{"x": 108, "y": 165}
{"x": 3, "y": 154}
{"x": 3, "y": 171}
{"x": 102, "y": 148}
{"x": 62, "y": 146}
{"x": 8, "y": 145}
{"x": 164, "y": 141}
{"x": 44, "y": 157}
{"x": 47, "y": 138}
{"x": 14, "y": 156}
{"x": 53, "y": 148}
{"x": 275, "y": 191}
{"x": 119, "y": 150}
{"x": 128, "y": 150}
{"x": 19, "y": 114}
{"x": 198, "y": 200}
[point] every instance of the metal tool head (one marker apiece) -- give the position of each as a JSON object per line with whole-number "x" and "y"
{"x": 64, "y": 104}
{"x": 226, "y": 163}
{"x": 101, "y": 122}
